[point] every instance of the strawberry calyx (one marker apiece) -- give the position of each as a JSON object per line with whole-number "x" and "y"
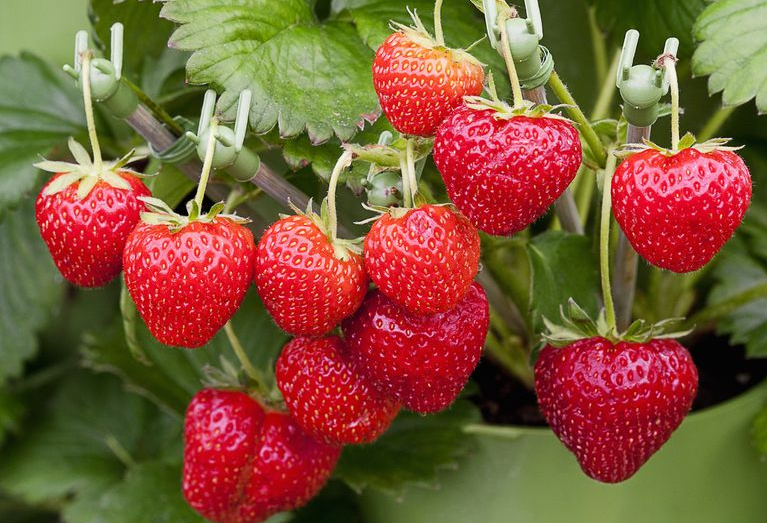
{"x": 88, "y": 173}
{"x": 688, "y": 141}
{"x": 228, "y": 377}
{"x": 387, "y": 157}
{"x": 577, "y": 324}
{"x": 418, "y": 34}
{"x": 504, "y": 111}
{"x": 160, "y": 213}
{"x": 342, "y": 248}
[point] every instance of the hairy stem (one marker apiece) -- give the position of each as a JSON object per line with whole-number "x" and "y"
{"x": 343, "y": 162}
{"x": 89, "y": 118}
{"x": 604, "y": 244}
{"x": 407, "y": 194}
{"x": 412, "y": 178}
{"x": 439, "y": 36}
{"x": 669, "y": 64}
{"x": 207, "y": 164}
{"x": 575, "y": 112}
{"x": 516, "y": 88}
{"x": 239, "y": 351}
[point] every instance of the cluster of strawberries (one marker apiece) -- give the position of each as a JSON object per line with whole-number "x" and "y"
{"x": 414, "y": 339}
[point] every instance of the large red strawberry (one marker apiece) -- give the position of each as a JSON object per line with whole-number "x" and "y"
{"x": 188, "y": 277}
{"x": 307, "y": 283}
{"x": 242, "y": 464}
{"x": 327, "y": 396}
{"x": 419, "y": 81}
{"x": 679, "y": 210}
{"x": 85, "y": 215}
{"x": 503, "y": 170}
{"x": 424, "y": 259}
{"x": 615, "y": 404}
{"x": 422, "y": 361}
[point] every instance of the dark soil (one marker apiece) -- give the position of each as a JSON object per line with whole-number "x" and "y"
{"x": 724, "y": 372}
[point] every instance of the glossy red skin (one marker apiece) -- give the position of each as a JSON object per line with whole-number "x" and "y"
{"x": 306, "y": 289}
{"x": 419, "y": 86}
{"x": 425, "y": 260}
{"x": 242, "y": 464}
{"x": 327, "y": 396}
{"x": 422, "y": 361}
{"x": 614, "y": 406}
{"x": 86, "y": 237}
{"x": 679, "y": 211}
{"x": 503, "y": 174}
{"x": 187, "y": 284}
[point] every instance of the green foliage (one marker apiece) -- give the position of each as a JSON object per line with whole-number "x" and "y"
{"x": 174, "y": 375}
{"x": 733, "y": 52}
{"x": 655, "y": 20}
{"x": 411, "y": 451}
{"x": 40, "y": 108}
{"x": 563, "y": 266}
{"x": 29, "y": 289}
{"x": 759, "y": 433}
{"x": 304, "y": 76}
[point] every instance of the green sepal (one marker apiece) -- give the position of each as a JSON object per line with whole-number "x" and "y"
{"x": 159, "y": 213}
{"x": 85, "y": 172}
{"x": 504, "y": 111}
{"x": 341, "y": 247}
{"x": 387, "y": 157}
{"x": 576, "y": 324}
{"x": 688, "y": 141}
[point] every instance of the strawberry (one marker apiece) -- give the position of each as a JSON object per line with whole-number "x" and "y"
{"x": 242, "y": 464}
{"x": 678, "y": 210}
{"x": 423, "y": 259}
{"x": 188, "y": 276}
{"x": 504, "y": 170}
{"x": 328, "y": 398}
{"x": 615, "y": 404}
{"x": 307, "y": 283}
{"x": 419, "y": 81}
{"x": 85, "y": 215}
{"x": 422, "y": 361}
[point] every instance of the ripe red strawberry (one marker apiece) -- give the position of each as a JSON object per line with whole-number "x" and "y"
{"x": 328, "y": 397}
{"x": 307, "y": 284}
{"x": 187, "y": 280}
{"x": 424, "y": 259}
{"x": 678, "y": 211}
{"x": 419, "y": 81}
{"x": 242, "y": 464}
{"x": 422, "y": 361}
{"x": 86, "y": 234}
{"x": 615, "y": 405}
{"x": 504, "y": 171}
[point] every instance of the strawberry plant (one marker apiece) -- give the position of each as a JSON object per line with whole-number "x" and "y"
{"x": 324, "y": 251}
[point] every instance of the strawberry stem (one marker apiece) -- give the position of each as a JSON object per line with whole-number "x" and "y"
{"x": 604, "y": 244}
{"x": 412, "y": 179}
{"x": 343, "y": 162}
{"x": 242, "y": 356}
{"x": 438, "y": 34}
{"x": 207, "y": 164}
{"x": 673, "y": 83}
{"x": 516, "y": 87}
{"x": 407, "y": 195}
{"x": 88, "y": 101}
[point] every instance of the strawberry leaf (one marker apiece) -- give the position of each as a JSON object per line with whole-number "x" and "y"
{"x": 40, "y": 108}
{"x": 411, "y": 451}
{"x": 29, "y": 289}
{"x": 175, "y": 374}
{"x": 733, "y": 52}
{"x": 563, "y": 267}
{"x": 305, "y": 76}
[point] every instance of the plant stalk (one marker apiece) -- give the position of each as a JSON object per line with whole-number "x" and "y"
{"x": 412, "y": 178}
{"x": 607, "y": 91}
{"x": 439, "y": 36}
{"x": 575, "y": 112}
{"x": 89, "y": 118}
{"x": 343, "y": 162}
{"x": 712, "y": 126}
{"x": 207, "y": 164}
{"x": 516, "y": 87}
{"x": 604, "y": 244}
{"x": 242, "y": 356}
